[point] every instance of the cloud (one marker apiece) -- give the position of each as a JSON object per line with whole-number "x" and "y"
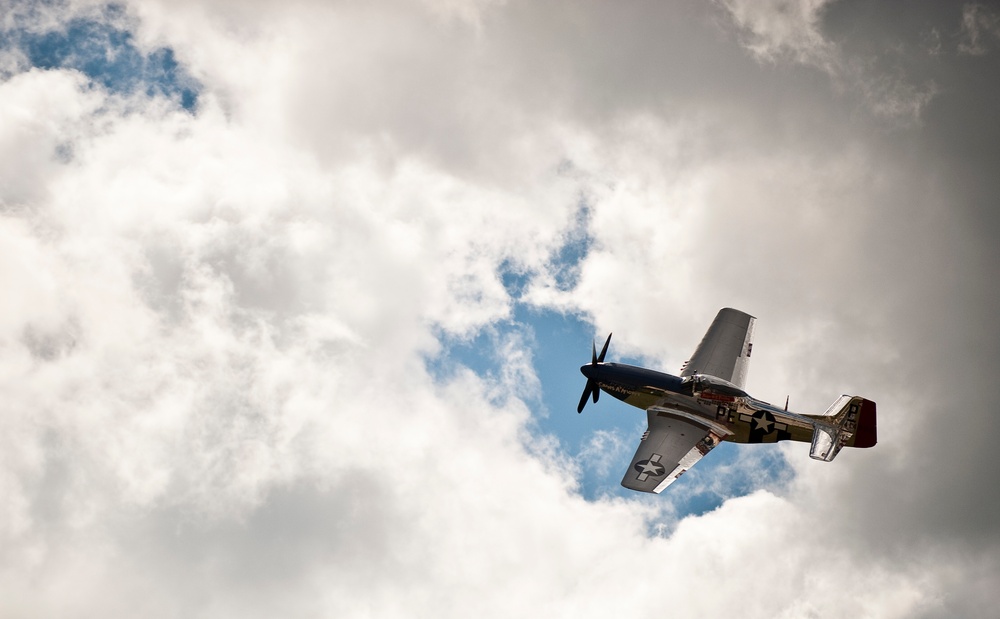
{"x": 978, "y": 22}
{"x": 783, "y": 27}
{"x": 216, "y": 392}
{"x": 605, "y": 449}
{"x": 797, "y": 32}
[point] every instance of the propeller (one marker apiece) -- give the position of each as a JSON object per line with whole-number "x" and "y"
{"x": 592, "y": 387}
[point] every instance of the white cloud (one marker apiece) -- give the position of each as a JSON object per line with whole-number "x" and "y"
{"x": 780, "y": 27}
{"x": 215, "y": 399}
{"x": 792, "y": 30}
{"x": 604, "y": 449}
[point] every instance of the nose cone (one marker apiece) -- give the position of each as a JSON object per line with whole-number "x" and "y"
{"x": 589, "y": 370}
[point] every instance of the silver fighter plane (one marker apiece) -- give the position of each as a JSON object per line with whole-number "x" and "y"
{"x": 689, "y": 414}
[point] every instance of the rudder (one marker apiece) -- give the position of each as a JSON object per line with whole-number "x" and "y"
{"x": 867, "y": 434}
{"x": 849, "y": 422}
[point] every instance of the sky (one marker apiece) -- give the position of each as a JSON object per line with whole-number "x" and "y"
{"x": 297, "y": 293}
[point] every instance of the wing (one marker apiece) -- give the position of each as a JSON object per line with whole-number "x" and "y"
{"x": 725, "y": 350}
{"x": 673, "y": 443}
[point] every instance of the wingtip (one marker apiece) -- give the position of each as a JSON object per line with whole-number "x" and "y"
{"x": 733, "y": 310}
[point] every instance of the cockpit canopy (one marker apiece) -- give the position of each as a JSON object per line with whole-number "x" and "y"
{"x": 701, "y": 382}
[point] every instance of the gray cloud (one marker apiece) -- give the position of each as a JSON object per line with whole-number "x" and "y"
{"x": 215, "y": 399}
{"x": 979, "y": 25}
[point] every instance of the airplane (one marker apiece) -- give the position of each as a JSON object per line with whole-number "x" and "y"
{"x": 688, "y": 415}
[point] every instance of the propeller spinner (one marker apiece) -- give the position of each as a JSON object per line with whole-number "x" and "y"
{"x": 592, "y": 387}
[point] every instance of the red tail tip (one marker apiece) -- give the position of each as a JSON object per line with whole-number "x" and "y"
{"x": 867, "y": 434}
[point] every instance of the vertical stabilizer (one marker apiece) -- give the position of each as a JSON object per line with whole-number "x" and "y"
{"x": 850, "y": 421}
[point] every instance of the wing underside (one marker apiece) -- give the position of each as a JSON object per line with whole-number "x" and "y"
{"x": 725, "y": 350}
{"x": 673, "y": 442}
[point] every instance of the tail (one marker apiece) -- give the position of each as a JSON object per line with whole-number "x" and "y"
{"x": 850, "y": 421}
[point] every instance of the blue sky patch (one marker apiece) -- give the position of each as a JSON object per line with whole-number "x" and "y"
{"x": 108, "y": 56}
{"x": 565, "y": 263}
{"x": 604, "y": 437}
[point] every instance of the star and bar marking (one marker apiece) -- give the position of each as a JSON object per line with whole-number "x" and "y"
{"x": 763, "y": 424}
{"x": 649, "y": 467}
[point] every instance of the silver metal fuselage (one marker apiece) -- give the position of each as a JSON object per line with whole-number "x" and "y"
{"x": 703, "y": 396}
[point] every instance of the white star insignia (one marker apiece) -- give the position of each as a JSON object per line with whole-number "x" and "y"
{"x": 652, "y": 469}
{"x": 763, "y": 423}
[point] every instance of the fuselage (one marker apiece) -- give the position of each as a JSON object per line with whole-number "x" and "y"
{"x": 749, "y": 420}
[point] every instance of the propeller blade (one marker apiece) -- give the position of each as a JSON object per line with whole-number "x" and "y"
{"x": 604, "y": 350}
{"x": 586, "y": 394}
{"x": 592, "y": 388}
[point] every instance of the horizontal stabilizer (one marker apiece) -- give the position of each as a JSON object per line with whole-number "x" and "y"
{"x": 850, "y": 421}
